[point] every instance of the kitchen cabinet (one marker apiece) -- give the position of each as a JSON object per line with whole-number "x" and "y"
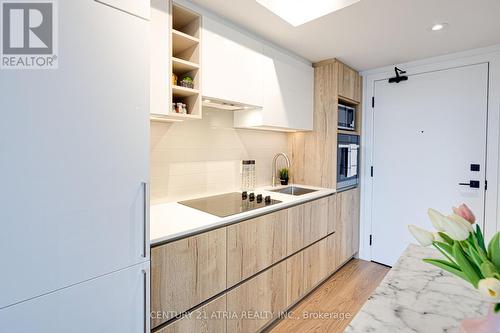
{"x": 135, "y": 7}
{"x": 288, "y": 95}
{"x": 264, "y": 295}
{"x": 349, "y": 83}
{"x": 254, "y": 245}
{"x": 74, "y": 206}
{"x": 347, "y": 224}
{"x": 160, "y": 68}
{"x": 308, "y": 268}
{"x": 187, "y": 272}
{"x": 306, "y": 224}
{"x": 208, "y": 318}
{"x": 232, "y": 64}
{"x": 175, "y": 49}
{"x": 117, "y": 302}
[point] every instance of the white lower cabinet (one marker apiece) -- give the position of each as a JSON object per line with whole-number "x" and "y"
{"x": 117, "y": 302}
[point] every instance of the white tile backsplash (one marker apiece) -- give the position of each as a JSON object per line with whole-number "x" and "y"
{"x": 203, "y": 157}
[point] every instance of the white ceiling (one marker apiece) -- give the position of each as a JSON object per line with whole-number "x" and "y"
{"x": 374, "y": 33}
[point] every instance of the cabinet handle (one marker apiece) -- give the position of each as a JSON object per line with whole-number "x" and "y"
{"x": 145, "y": 305}
{"x": 145, "y": 219}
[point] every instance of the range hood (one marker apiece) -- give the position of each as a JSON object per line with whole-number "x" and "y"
{"x": 227, "y": 105}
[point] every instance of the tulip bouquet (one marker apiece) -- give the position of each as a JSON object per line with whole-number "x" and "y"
{"x": 465, "y": 251}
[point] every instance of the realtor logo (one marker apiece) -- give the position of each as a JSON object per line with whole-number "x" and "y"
{"x": 29, "y": 34}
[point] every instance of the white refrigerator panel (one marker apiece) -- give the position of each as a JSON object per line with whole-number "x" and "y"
{"x": 73, "y": 155}
{"x": 118, "y": 302}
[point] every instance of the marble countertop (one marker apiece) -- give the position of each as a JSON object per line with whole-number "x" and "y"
{"x": 170, "y": 221}
{"x": 419, "y": 298}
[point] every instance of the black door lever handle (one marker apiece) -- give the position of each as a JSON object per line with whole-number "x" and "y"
{"x": 472, "y": 184}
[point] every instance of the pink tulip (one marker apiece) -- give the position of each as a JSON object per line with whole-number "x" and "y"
{"x": 465, "y": 212}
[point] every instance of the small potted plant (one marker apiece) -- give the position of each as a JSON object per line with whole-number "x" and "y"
{"x": 187, "y": 82}
{"x": 284, "y": 176}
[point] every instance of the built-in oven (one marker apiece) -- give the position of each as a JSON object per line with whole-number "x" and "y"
{"x": 347, "y": 118}
{"x": 347, "y": 161}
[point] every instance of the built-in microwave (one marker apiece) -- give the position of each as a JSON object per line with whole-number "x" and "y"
{"x": 347, "y": 161}
{"x": 347, "y": 118}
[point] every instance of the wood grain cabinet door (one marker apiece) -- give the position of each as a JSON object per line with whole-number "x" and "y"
{"x": 209, "y": 318}
{"x": 256, "y": 302}
{"x": 347, "y": 223}
{"x": 307, "y": 223}
{"x": 254, "y": 245}
{"x": 308, "y": 268}
{"x": 186, "y": 273}
{"x": 349, "y": 82}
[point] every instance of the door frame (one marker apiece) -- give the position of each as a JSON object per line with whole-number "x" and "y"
{"x": 490, "y": 55}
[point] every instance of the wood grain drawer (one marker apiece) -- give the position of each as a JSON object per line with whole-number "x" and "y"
{"x": 307, "y": 223}
{"x": 309, "y": 267}
{"x": 264, "y": 295}
{"x": 208, "y": 318}
{"x": 254, "y": 245}
{"x": 186, "y": 273}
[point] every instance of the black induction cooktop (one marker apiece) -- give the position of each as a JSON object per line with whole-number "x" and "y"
{"x": 230, "y": 203}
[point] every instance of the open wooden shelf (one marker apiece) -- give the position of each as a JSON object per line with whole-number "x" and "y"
{"x": 182, "y": 42}
{"x": 185, "y": 61}
{"x": 185, "y": 21}
{"x": 178, "y": 91}
{"x": 181, "y": 66}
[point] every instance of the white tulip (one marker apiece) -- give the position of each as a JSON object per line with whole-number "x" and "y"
{"x": 490, "y": 287}
{"x": 459, "y": 219}
{"x": 436, "y": 219}
{"x": 424, "y": 237}
{"x": 456, "y": 230}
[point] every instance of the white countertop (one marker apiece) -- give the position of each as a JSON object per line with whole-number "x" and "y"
{"x": 172, "y": 220}
{"x": 417, "y": 297}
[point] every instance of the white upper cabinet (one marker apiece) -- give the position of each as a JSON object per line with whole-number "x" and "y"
{"x": 232, "y": 64}
{"x": 160, "y": 100}
{"x": 288, "y": 95}
{"x": 135, "y": 7}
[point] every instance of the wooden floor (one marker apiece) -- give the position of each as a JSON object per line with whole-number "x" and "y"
{"x": 340, "y": 297}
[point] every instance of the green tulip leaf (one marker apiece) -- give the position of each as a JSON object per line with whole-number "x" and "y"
{"x": 488, "y": 270}
{"x": 449, "y": 267}
{"x": 494, "y": 250}
{"x": 465, "y": 265}
{"x": 476, "y": 258}
{"x": 497, "y": 308}
{"x": 446, "y": 238}
{"x": 445, "y": 247}
{"x": 480, "y": 238}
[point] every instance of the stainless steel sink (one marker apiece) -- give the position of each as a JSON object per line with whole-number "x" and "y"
{"x": 293, "y": 190}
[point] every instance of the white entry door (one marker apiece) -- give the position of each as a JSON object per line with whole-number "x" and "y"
{"x": 428, "y": 131}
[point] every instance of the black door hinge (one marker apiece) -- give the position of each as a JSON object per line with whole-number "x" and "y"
{"x": 371, "y": 239}
{"x": 485, "y": 185}
{"x": 373, "y": 101}
{"x": 371, "y": 171}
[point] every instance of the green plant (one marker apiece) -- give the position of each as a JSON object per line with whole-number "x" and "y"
{"x": 187, "y": 79}
{"x": 466, "y": 253}
{"x": 283, "y": 173}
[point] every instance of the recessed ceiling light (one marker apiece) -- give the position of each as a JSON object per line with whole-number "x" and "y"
{"x": 439, "y": 26}
{"x": 300, "y": 12}
{"x": 207, "y": 101}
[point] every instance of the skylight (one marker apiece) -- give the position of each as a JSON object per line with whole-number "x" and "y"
{"x": 298, "y": 12}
